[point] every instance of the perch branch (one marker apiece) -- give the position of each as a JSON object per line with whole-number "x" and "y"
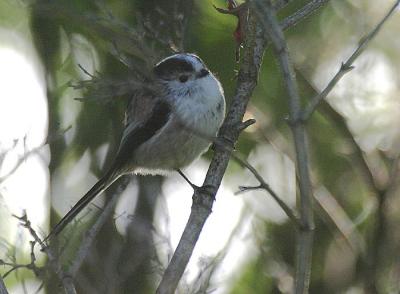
{"x": 254, "y": 47}
{"x": 203, "y": 199}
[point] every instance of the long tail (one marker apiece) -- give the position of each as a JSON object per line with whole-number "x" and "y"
{"x": 106, "y": 181}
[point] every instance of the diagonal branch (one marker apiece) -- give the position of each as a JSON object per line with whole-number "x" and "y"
{"x": 91, "y": 234}
{"x": 3, "y": 289}
{"x": 302, "y": 13}
{"x": 264, "y": 185}
{"x": 35, "y": 150}
{"x": 347, "y": 66}
{"x": 254, "y": 47}
{"x": 203, "y": 199}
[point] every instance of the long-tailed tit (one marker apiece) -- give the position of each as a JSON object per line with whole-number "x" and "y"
{"x": 165, "y": 128}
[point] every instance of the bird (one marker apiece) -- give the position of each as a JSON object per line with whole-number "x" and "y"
{"x": 168, "y": 124}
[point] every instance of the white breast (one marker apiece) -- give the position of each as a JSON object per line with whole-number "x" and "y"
{"x": 204, "y": 107}
{"x": 198, "y": 110}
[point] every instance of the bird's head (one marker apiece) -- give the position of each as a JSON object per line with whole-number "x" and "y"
{"x": 182, "y": 68}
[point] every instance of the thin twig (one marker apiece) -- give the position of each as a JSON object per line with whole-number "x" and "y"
{"x": 302, "y": 13}
{"x": 35, "y": 150}
{"x": 30, "y": 266}
{"x": 340, "y": 219}
{"x": 66, "y": 280}
{"x": 328, "y": 204}
{"x": 347, "y": 66}
{"x": 305, "y": 234}
{"x": 263, "y": 185}
{"x": 19, "y": 162}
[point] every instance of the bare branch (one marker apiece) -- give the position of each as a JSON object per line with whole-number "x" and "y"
{"x": 274, "y": 31}
{"x": 342, "y": 222}
{"x": 88, "y": 240}
{"x": 347, "y": 66}
{"x": 263, "y": 185}
{"x": 302, "y": 13}
{"x": 3, "y": 289}
{"x": 24, "y": 157}
{"x": 30, "y": 266}
{"x": 54, "y": 263}
{"x": 203, "y": 200}
{"x": 221, "y": 143}
{"x": 19, "y": 162}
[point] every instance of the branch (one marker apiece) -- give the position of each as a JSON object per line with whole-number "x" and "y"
{"x": 380, "y": 230}
{"x": 340, "y": 219}
{"x": 30, "y": 266}
{"x": 263, "y": 185}
{"x": 65, "y": 279}
{"x": 203, "y": 280}
{"x": 203, "y": 198}
{"x": 302, "y": 13}
{"x": 203, "y": 201}
{"x": 3, "y": 289}
{"x": 274, "y": 31}
{"x": 347, "y": 66}
{"x": 35, "y": 150}
{"x": 91, "y": 234}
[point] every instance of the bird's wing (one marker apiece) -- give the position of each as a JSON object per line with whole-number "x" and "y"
{"x": 145, "y": 116}
{"x": 139, "y": 108}
{"x": 142, "y": 122}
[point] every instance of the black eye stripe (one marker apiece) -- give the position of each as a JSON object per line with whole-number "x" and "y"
{"x": 173, "y": 65}
{"x": 204, "y": 72}
{"x": 183, "y": 78}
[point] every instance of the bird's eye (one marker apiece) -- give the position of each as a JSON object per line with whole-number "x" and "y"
{"x": 183, "y": 78}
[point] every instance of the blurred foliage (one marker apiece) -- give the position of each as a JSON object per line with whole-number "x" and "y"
{"x": 338, "y": 163}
